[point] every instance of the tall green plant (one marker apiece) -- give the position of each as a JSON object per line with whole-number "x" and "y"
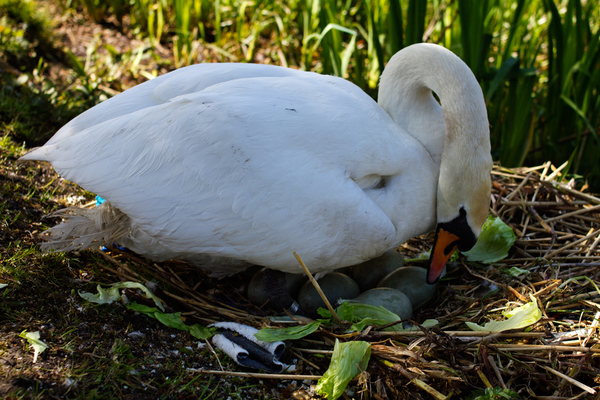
{"x": 508, "y": 85}
{"x": 571, "y": 114}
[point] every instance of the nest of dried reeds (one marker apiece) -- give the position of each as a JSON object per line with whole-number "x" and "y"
{"x": 556, "y": 255}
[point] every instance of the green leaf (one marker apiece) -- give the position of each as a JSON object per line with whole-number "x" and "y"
{"x": 495, "y": 240}
{"x": 142, "y": 308}
{"x": 33, "y": 338}
{"x": 76, "y": 64}
{"x": 365, "y": 313}
{"x": 348, "y": 360}
{"x": 291, "y": 333}
{"x": 3, "y": 285}
{"x": 494, "y": 394}
{"x": 107, "y": 296}
{"x": 360, "y": 325}
{"x": 580, "y": 113}
{"x": 520, "y": 317}
{"x": 201, "y": 332}
{"x": 172, "y": 320}
{"x": 104, "y": 296}
{"x": 323, "y": 312}
{"x": 136, "y": 285}
{"x": 346, "y": 311}
{"x": 516, "y": 271}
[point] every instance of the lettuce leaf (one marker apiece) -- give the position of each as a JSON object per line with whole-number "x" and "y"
{"x": 290, "y": 333}
{"x": 33, "y": 338}
{"x": 347, "y": 361}
{"x": 111, "y": 294}
{"x": 494, "y": 242}
{"x": 104, "y": 296}
{"x": 517, "y": 318}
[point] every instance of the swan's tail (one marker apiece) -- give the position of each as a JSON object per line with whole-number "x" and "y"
{"x": 86, "y": 228}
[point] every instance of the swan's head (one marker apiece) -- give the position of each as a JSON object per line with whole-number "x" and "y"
{"x": 463, "y": 199}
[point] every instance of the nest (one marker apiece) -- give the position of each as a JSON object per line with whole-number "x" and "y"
{"x": 556, "y": 255}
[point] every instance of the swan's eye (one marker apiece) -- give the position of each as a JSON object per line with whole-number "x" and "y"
{"x": 436, "y": 97}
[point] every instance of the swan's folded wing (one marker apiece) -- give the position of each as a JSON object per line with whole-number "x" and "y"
{"x": 187, "y": 80}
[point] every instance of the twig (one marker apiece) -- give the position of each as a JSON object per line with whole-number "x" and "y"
{"x": 419, "y": 383}
{"x": 460, "y": 334}
{"x": 297, "y": 354}
{"x": 575, "y": 193}
{"x": 497, "y": 371}
{"x": 484, "y": 378}
{"x": 125, "y": 271}
{"x": 542, "y": 203}
{"x": 258, "y": 375}
{"x": 568, "y": 215}
{"x": 318, "y": 288}
{"x": 550, "y": 255}
{"x": 570, "y": 380}
{"x": 543, "y": 347}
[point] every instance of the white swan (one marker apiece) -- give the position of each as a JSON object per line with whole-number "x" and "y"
{"x": 226, "y": 165}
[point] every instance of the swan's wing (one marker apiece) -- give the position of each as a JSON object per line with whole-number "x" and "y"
{"x": 251, "y": 169}
{"x": 162, "y": 89}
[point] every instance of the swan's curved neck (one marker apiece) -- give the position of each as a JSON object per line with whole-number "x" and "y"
{"x": 456, "y": 133}
{"x": 406, "y": 94}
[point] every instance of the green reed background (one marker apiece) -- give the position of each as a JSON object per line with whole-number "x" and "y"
{"x": 538, "y": 61}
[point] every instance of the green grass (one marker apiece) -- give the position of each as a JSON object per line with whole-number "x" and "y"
{"x": 33, "y": 30}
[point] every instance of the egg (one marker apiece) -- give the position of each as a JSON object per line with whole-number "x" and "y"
{"x": 369, "y": 273}
{"x": 393, "y": 300}
{"x": 335, "y": 286}
{"x": 256, "y": 289}
{"x": 411, "y": 282}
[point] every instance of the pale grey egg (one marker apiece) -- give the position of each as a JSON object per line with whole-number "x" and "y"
{"x": 393, "y": 300}
{"x": 411, "y": 282}
{"x": 335, "y": 286}
{"x": 369, "y": 273}
{"x": 256, "y": 289}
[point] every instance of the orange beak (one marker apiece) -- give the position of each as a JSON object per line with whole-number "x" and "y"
{"x": 445, "y": 244}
